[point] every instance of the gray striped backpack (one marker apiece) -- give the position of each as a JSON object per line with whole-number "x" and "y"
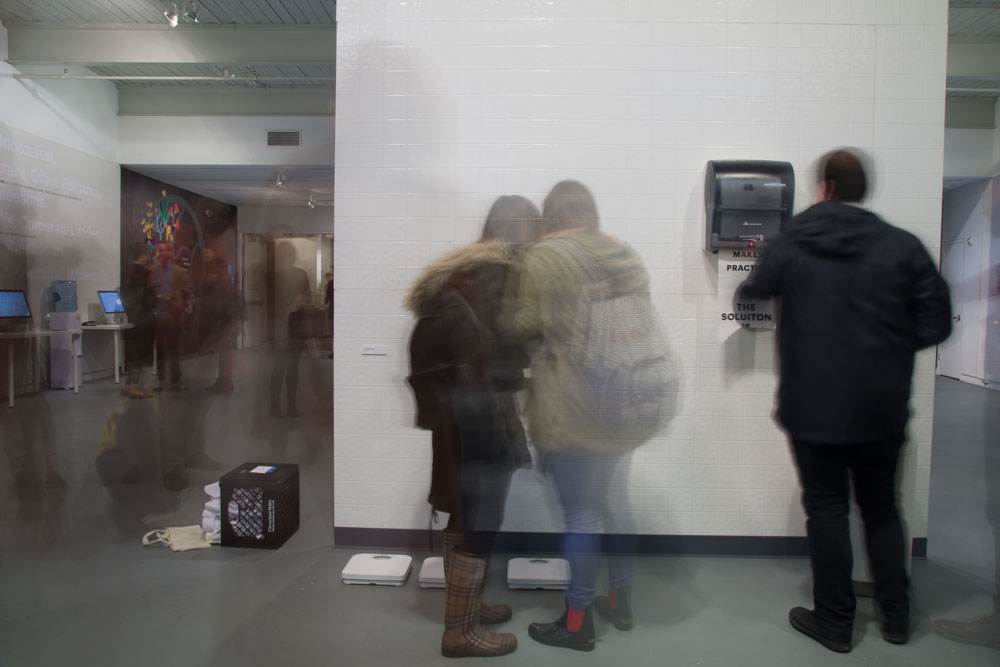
{"x": 626, "y": 374}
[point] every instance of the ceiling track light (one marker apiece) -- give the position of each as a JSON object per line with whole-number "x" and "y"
{"x": 171, "y": 14}
{"x": 311, "y": 203}
{"x": 280, "y": 180}
{"x": 191, "y": 11}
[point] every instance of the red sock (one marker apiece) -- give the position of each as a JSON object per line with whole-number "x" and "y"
{"x": 612, "y": 599}
{"x": 574, "y": 619}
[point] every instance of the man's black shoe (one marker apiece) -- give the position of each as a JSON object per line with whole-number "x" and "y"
{"x": 557, "y": 634}
{"x": 804, "y": 620}
{"x": 896, "y": 632}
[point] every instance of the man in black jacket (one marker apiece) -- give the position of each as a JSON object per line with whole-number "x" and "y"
{"x": 858, "y": 299}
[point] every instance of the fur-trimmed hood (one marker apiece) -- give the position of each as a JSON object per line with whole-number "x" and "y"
{"x": 466, "y": 258}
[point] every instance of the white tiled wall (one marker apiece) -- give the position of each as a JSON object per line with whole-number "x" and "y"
{"x": 442, "y": 105}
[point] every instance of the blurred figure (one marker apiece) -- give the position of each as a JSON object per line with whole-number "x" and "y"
{"x": 328, "y": 302}
{"x": 140, "y": 309}
{"x": 127, "y": 462}
{"x": 182, "y": 418}
{"x": 985, "y": 630}
{"x": 859, "y": 298}
{"x": 585, "y": 297}
{"x": 328, "y": 298}
{"x": 37, "y": 491}
{"x": 219, "y": 314}
{"x": 173, "y": 289}
{"x": 464, "y": 381}
{"x": 291, "y": 294}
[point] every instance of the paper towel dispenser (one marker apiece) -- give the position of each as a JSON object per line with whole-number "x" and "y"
{"x": 746, "y": 201}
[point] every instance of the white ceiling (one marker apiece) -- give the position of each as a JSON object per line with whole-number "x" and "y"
{"x": 974, "y": 23}
{"x": 974, "y": 19}
{"x": 969, "y": 22}
{"x": 254, "y": 58}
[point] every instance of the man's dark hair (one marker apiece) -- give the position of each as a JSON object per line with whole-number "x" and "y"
{"x": 845, "y": 170}
{"x": 137, "y": 250}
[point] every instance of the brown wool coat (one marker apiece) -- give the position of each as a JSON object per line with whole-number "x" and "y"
{"x": 457, "y": 301}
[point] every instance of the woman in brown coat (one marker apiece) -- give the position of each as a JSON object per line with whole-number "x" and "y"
{"x": 464, "y": 379}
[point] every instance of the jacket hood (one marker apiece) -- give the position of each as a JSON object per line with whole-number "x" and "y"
{"x": 835, "y": 229}
{"x": 614, "y": 257}
{"x": 466, "y": 258}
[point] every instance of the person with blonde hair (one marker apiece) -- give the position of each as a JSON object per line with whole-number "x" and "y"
{"x": 582, "y": 448}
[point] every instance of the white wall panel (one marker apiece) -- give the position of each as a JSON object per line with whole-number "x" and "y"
{"x": 56, "y": 234}
{"x": 446, "y": 105}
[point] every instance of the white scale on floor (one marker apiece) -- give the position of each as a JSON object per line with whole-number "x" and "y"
{"x": 394, "y": 569}
{"x": 377, "y": 569}
{"x": 538, "y": 573}
{"x": 432, "y": 573}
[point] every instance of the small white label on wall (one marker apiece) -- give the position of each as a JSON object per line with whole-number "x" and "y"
{"x": 373, "y": 351}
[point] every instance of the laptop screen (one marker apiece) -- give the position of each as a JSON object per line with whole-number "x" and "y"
{"x": 13, "y": 303}
{"x": 112, "y": 302}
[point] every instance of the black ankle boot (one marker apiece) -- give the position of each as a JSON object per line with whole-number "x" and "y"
{"x": 621, "y": 615}
{"x": 804, "y": 620}
{"x": 557, "y": 634}
{"x": 896, "y": 632}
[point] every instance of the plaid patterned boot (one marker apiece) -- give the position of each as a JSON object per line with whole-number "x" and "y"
{"x": 463, "y": 634}
{"x": 489, "y": 614}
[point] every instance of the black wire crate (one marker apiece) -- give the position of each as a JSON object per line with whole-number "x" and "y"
{"x": 260, "y": 505}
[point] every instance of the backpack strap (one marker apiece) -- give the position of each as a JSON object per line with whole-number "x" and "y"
{"x": 576, "y": 251}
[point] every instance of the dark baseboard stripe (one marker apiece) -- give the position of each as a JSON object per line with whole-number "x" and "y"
{"x": 551, "y": 543}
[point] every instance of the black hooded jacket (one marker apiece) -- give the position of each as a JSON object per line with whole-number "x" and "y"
{"x": 858, "y": 298}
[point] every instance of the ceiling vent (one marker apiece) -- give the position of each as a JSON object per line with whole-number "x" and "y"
{"x": 284, "y": 138}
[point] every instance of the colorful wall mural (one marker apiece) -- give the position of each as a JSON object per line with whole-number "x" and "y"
{"x": 154, "y": 212}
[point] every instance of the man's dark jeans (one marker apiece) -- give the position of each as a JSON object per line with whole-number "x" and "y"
{"x": 825, "y": 471}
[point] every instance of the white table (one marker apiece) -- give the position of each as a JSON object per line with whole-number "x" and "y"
{"x": 116, "y": 329}
{"x": 36, "y": 335}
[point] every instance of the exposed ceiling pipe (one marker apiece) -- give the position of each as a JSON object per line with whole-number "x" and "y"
{"x": 118, "y": 77}
{"x": 988, "y": 91}
{"x": 221, "y": 77}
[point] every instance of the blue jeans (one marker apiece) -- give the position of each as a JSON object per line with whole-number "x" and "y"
{"x": 583, "y": 481}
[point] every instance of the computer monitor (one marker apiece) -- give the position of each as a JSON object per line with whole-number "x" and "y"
{"x": 13, "y": 303}
{"x": 111, "y": 302}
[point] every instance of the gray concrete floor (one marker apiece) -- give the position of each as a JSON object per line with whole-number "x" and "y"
{"x": 78, "y": 588}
